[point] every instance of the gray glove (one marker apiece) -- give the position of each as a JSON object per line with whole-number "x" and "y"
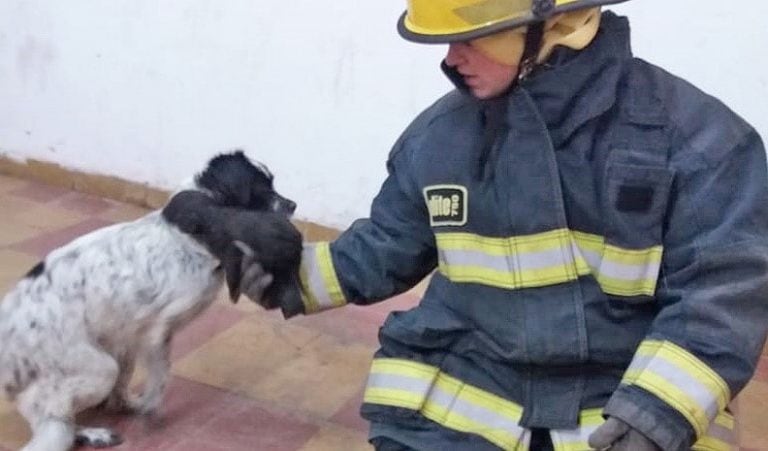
{"x": 616, "y": 435}
{"x": 254, "y": 281}
{"x": 261, "y": 286}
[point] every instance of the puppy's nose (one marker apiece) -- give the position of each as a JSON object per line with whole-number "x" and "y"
{"x": 290, "y": 206}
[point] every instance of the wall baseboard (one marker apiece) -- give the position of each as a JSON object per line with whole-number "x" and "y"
{"x": 120, "y": 190}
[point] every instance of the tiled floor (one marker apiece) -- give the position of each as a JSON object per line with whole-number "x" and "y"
{"x": 243, "y": 379}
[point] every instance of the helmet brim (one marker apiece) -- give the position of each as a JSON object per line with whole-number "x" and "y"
{"x": 446, "y": 38}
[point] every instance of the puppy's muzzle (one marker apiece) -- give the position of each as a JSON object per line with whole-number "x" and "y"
{"x": 282, "y": 205}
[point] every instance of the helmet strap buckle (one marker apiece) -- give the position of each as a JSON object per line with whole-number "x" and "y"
{"x": 533, "y": 40}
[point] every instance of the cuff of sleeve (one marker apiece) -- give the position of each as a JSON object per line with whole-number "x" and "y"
{"x": 319, "y": 282}
{"x": 652, "y": 417}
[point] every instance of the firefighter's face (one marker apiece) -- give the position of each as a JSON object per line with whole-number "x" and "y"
{"x": 485, "y": 77}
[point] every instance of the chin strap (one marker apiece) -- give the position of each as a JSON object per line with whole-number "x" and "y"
{"x": 534, "y": 37}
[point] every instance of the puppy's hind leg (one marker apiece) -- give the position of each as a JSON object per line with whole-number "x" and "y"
{"x": 51, "y": 435}
{"x": 51, "y": 402}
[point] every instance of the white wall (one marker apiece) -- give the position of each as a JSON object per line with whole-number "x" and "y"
{"x": 319, "y": 90}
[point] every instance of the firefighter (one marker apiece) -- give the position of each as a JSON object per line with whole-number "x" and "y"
{"x": 597, "y": 233}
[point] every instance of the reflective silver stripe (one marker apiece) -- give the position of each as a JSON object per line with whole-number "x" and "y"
{"x": 318, "y": 275}
{"x": 681, "y": 380}
{"x": 513, "y": 263}
{"x": 409, "y": 384}
{"x": 592, "y": 258}
{"x": 629, "y": 272}
{"x": 613, "y": 269}
{"x": 478, "y": 414}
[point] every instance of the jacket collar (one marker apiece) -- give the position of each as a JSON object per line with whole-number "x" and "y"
{"x": 576, "y": 86}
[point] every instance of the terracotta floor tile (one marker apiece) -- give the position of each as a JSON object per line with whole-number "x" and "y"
{"x": 253, "y": 428}
{"x": 241, "y": 355}
{"x": 761, "y": 373}
{"x": 39, "y": 192}
{"x": 120, "y": 212}
{"x": 13, "y": 266}
{"x": 10, "y": 205}
{"x": 42, "y": 244}
{"x": 213, "y": 321}
{"x": 320, "y": 380}
{"x": 201, "y": 417}
{"x": 84, "y": 204}
{"x": 14, "y": 432}
{"x": 198, "y": 413}
{"x": 334, "y": 438}
{"x": 350, "y": 325}
{"x": 47, "y": 217}
{"x": 10, "y": 183}
{"x": 14, "y": 231}
{"x": 753, "y": 415}
{"x": 349, "y": 414}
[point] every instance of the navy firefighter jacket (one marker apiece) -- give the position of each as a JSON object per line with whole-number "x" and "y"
{"x": 599, "y": 242}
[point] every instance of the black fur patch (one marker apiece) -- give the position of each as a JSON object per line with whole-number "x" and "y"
{"x": 234, "y": 181}
{"x": 36, "y": 271}
{"x": 635, "y": 198}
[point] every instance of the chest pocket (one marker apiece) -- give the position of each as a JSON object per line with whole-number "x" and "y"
{"x": 637, "y": 198}
{"x": 634, "y": 207}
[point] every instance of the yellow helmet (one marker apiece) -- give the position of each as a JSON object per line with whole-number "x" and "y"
{"x": 443, "y": 21}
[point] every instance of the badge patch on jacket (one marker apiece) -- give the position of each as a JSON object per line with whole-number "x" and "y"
{"x": 447, "y": 205}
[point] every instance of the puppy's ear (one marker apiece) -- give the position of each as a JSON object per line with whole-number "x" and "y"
{"x": 232, "y": 261}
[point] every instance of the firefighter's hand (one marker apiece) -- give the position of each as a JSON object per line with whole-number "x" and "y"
{"x": 254, "y": 280}
{"x": 616, "y": 435}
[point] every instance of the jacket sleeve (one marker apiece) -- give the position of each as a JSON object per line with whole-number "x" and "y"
{"x": 376, "y": 257}
{"x": 704, "y": 344}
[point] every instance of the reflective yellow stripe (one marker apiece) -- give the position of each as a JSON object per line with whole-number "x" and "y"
{"x": 681, "y": 380}
{"x": 445, "y": 400}
{"x": 318, "y": 277}
{"x": 548, "y": 258}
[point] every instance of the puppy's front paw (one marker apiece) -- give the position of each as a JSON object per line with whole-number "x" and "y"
{"x": 97, "y": 437}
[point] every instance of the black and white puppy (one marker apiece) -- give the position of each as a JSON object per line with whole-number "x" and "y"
{"x": 73, "y": 328}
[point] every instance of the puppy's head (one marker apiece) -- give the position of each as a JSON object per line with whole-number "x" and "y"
{"x": 234, "y": 181}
